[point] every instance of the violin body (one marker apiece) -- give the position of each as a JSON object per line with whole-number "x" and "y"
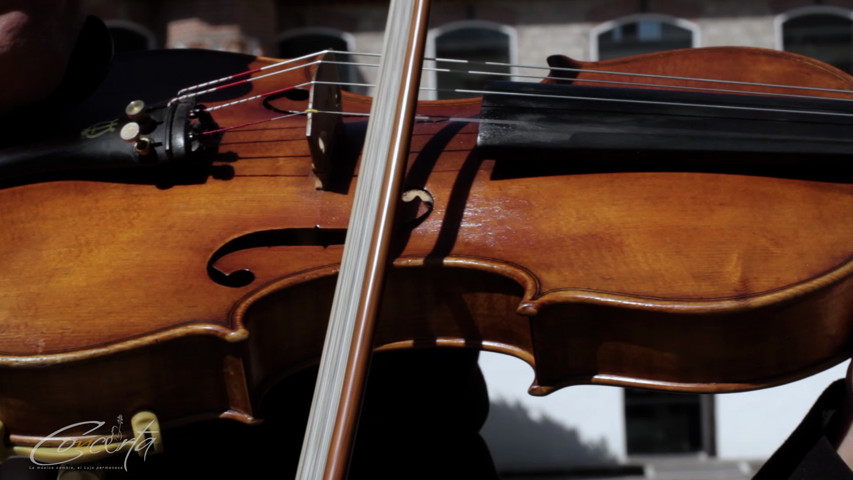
{"x": 700, "y": 281}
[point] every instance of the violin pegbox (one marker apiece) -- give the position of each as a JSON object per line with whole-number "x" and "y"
{"x": 325, "y": 129}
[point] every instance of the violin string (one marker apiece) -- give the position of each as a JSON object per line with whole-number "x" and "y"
{"x": 197, "y": 90}
{"x": 208, "y": 87}
{"x": 444, "y": 118}
{"x": 474, "y": 92}
{"x": 248, "y": 124}
{"x": 584, "y": 70}
{"x": 282, "y": 90}
{"x": 418, "y": 118}
{"x": 200, "y": 89}
{"x": 500, "y": 74}
{"x": 481, "y": 92}
{"x": 658, "y": 85}
{"x": 643, "y": 75}
{"x": 260, "y": 69}
{"x": 662, "y": 103}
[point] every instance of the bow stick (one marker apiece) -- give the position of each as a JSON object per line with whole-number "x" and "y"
{"x": 349, "y": 339}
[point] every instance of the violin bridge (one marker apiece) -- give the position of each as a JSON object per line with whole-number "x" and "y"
{"x": 325, "y": 130}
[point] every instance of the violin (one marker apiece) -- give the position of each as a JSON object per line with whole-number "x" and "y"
{"x": 675, "y": 221}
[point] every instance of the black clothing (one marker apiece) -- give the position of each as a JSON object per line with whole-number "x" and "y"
{"x": 412, "y": 430}
{"x": 808, "y": 452}
{"x": 422, "y": 413}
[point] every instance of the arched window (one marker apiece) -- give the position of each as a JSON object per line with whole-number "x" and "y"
{"x": 130, "y": 37}
{"x": 474, "y": 40}
{"x": 641, "y": 33}
{"x": 304, "y": 41}
{"x": 821, "y": 32}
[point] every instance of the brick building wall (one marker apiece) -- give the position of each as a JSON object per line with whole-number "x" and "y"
{"x": 544, "y": 27}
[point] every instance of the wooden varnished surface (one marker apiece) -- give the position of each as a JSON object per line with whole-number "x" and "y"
{"x": 568, "y": 272}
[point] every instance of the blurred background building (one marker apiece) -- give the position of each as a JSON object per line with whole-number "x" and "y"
{"x": 607, "y": 429}
{"x": 516, "y": 32}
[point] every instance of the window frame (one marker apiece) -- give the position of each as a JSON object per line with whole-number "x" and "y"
{"x": 780, "y": 19}
{"x": 696, "y": 32}
{"x": 430, "y": 77}
{"x": 348, "y": 39}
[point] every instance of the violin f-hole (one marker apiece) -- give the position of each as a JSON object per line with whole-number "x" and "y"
{"x": 318, "y": 236}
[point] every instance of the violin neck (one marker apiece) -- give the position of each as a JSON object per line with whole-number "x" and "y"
{"x": 553, "y": 119}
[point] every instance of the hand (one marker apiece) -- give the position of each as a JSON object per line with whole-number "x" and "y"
{"x": 36, "y": 38}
